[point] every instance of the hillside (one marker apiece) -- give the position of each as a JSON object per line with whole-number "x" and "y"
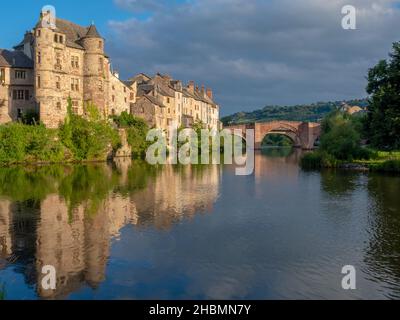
{"x": 313, "y": 112}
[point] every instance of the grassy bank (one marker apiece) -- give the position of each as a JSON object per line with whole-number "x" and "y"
{"x": 79, "y": 139}
{"x": 379, "y": 161}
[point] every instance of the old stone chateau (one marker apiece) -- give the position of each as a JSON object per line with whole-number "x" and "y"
{"x": 65, "y": 61}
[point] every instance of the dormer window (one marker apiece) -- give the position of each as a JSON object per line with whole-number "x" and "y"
{"x": 58, "y": 38}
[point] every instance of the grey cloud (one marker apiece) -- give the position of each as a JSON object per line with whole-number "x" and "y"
{"x": 255, "y": 52}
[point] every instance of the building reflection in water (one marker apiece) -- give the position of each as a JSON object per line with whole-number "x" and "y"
{"x": 69, "y": 221}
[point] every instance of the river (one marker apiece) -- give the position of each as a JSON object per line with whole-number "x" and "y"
{"x": 126, "y": 230}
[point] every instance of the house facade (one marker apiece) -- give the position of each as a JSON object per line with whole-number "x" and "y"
{"x": 172, "y": 102}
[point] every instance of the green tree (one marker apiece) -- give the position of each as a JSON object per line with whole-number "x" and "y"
{"x": 383, "y": 123}
{"x": 137, "y": 130}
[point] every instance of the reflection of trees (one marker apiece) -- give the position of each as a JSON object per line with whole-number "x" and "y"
{"x": 338, "y": 182}
{"x": 88, "y": 185}
{"x": 281, "y": 152}
{"x": 383, "y": 254}
{"x": 66, "y": 216}
{"x": 21, "y": 184}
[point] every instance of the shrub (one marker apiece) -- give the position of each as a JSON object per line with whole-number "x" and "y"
{"x": 23, "y": 143}
{"x": 318, "y": 160}
{"x": 89, "y": 139}
{"x": 137, "y": 130}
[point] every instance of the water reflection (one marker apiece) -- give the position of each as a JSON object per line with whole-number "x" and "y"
{"x": 66, "y": 216}
{"x": 383, "y": 252}
{"x": 130, "y": 230}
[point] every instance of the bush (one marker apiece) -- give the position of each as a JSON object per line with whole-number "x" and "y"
{"x": 30, "y": 117}
{"x": 318, "y": 160}
{"x": 137, "y": 130}
{"x": 91, "y": 139}
{"x": 23, "y": 143}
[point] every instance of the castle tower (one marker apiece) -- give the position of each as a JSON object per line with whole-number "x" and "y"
{"x": 95, "y": 88}
{"x": 49, "y": 63}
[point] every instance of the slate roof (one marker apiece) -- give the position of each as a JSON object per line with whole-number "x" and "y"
{"x": 154, "y": 100}
{"x": 92, "y": 32}
{"x": 74, "y": 32}
{"x": 15, "y": 59}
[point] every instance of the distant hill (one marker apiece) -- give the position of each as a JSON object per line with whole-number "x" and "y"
{"x": 313, "y": 112}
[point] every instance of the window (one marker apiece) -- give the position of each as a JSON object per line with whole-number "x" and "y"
{"x": 75, "y": 62}
{"x": 126, "y": 100}
{"x": 20, "y": 74}
{"x": 2, "y": 76}
{"x": 58, "y": 83}
{"x": 21, "y": 95}
{"x": 168, "y": 100}
{"x": 39, "y": 33}
{"x": 59, "y": 105}
{"x": 58, "y": 38}
{"x": 113, "y": 98}
{"x": 132, "y": 96}
{"x": 58, "y": 65}
{"x": 124, "y": 89}
{"x": 75, "y": 84}
{"x": 100, "y": 44}
{"x": 100, "y": 64}
{"x": 38, "y": 82}
{"x": 75, "y": 106}
{"x": 39, "y": 57}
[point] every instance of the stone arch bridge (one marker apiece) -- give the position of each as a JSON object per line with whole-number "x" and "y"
{"x": 303, "y": 134}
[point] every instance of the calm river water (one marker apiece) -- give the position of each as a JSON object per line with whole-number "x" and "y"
{"x": 130, "y": 231}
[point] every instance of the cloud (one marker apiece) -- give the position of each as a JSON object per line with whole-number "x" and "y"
{"x": 257, "y": 52}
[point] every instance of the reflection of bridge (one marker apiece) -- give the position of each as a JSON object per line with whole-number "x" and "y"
{"x": 303, "y": 134}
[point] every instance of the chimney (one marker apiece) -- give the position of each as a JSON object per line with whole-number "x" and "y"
{"x": 202, "y": 90}
{"x": 197, "y": 89}
{"x": 191, "y": 86}
{"x": 210, "y": 94}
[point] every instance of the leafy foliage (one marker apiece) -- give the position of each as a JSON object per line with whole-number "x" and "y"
{"x": 88, "y": 139}
{"x": 22, "y": 143}
{"x": 340, "y": 137}
{"x": 278, "y": 140}
{"x": 384, "y": 87}
{"x": 137, "y": 130}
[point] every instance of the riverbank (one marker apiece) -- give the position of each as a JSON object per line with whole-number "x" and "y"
{"x": 379, "y": 161}
{"x": 78, "y": 140}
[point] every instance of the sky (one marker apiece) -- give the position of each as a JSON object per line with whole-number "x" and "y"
{"x": 252, "y": 53}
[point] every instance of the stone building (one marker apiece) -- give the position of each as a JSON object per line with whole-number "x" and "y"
{"x": 61, "y": 61}
{"x": 162, "y": 100}
{"x": 53, "y": 64}
{"x": 16, "y": 85}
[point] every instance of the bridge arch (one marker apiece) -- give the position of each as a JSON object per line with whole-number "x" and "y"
{"x": 304, "y": 134}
